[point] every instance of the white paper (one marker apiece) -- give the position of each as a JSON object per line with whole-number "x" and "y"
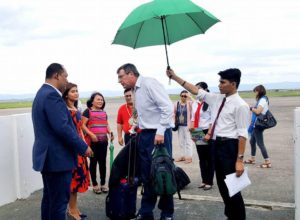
{"x": 236, "y": 184}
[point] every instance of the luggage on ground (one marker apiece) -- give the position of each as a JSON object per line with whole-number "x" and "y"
{"x": 121, "y": 198}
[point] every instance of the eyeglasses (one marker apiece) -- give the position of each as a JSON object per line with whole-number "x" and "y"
{"x": 183, "y": 96}
{"x": 127, "y": 96}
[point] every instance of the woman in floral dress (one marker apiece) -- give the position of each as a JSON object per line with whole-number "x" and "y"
{"x": 80, "y": 175}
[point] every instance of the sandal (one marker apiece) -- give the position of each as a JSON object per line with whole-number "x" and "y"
{"x": 265, "y": 165}
{"x": 104, "y": 189}
{"x": 249, "y": 161}
{"x": 179, "y": 159}
{"x": 207, "y": 187}
{"x": 73, "y": 216}
{"x": 96, "y": 190}
{"x": 201, "y": 186}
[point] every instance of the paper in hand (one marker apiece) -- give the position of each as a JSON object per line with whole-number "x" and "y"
{"x": 236, "y": 184}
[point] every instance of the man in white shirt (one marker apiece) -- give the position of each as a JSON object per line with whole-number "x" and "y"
{"x": 230, "y": 117}
{"x": 155, "y": 113}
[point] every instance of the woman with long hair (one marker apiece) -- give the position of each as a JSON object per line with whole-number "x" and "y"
{"x": 95, "y": 125}
{"x": 80, "y": 175}
{"x": 261, "y": 107}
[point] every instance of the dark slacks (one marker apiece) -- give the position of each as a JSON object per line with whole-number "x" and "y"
{"x": 56, "y": 194}
{"x": 149, "y": 198}
{"x": 206, "y": 162}
{"x": 226, "y": 152}
{"x": 100, "y": 152}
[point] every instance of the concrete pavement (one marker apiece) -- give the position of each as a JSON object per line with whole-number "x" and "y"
{"x": 269, "y": 197}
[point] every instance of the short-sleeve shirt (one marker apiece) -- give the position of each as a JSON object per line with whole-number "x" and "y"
{"x": 124, "y": 114}
{"x": 97, "y": 123}
{"x": 264, "y": 104}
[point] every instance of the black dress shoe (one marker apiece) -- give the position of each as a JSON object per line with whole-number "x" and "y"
{"x": 140, "y": 217}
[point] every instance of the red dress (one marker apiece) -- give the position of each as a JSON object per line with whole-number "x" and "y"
{"x": 80, "y": 175}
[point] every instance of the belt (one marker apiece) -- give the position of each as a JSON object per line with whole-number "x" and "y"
{"x": 218, "y": 138}
{"x": 149, "y": 130}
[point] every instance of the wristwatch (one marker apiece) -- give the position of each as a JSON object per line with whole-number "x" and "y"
{"x": 240, "y": 157}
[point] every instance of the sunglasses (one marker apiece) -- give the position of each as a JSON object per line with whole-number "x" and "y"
{"x": 183, "y": 96}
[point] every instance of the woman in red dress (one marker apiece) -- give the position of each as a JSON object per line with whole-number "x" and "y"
{"x": 80, "y": 175}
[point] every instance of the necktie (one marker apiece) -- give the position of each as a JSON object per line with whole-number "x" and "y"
{"x": 197, "y": 115}
{"x": 215, "y": 122}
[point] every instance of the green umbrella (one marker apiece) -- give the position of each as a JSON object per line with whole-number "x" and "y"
{"x": 111, "y": 154}
{"x": 163, "y": 22}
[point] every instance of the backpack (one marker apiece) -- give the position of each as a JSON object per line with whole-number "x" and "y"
{"x": 182, "y": 180}
{"x": 163, "y": 172}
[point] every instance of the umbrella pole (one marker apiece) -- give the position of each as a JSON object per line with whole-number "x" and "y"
{"x": 163, "y": 20}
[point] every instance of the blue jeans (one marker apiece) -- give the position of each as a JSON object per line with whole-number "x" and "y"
{"x": 56, "y": 194}
{"x": 149, "y": 198}
{"x": 258, "y": 138}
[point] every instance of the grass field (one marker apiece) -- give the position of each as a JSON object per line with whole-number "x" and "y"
{"x": 248, "y": 94}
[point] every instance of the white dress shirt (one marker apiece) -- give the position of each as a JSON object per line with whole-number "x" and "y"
{"x": 234, "y": 118}
{"x": 153, "y": 105}
{"x": 205, "y": 116}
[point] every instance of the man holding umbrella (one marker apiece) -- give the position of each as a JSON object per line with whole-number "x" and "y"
{"x": 230, "y": 117}
{"x": 155, "y": 113}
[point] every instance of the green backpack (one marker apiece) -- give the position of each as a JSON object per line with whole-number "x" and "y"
{"x": 163, "y": 172}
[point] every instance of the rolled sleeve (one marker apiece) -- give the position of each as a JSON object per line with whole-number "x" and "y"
{"x": 242, "y": 119}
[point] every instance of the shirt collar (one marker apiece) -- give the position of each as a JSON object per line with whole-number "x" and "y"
{"x": 233, "y": 96}
{"x": 54, "y": 88}
{"x": 138, "y": 82}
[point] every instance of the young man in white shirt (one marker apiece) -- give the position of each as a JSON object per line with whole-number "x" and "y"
{"x": 155, "y": 114}
{"x": 230, "y": 117}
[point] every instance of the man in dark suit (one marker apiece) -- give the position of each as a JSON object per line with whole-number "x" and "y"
{"x": 56, "y": 143}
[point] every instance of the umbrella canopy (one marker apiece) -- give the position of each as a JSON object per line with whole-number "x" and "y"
{"x": 163, "y": 22}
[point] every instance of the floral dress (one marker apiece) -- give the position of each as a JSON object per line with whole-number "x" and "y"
{"x": 80, "y": 175}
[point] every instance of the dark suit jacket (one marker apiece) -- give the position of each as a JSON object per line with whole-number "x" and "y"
{"x": 56, "y": 143}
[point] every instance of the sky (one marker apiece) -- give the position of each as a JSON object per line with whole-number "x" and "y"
{"x": 262, "y": 38}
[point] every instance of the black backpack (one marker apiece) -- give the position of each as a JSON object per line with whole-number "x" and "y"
{"x": 163, "y": 172}
{"x": 182, "y": 180}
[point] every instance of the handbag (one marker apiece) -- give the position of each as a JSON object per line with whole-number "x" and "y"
{"x": 265, "y": 121}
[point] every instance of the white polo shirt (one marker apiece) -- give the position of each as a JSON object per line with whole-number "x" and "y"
{"x": 234, "y": 118}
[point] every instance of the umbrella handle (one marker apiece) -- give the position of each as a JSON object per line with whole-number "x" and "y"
{"x": 168, "y": 68}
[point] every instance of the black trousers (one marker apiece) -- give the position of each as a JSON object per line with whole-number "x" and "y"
{"x": 226, "y": 152}
{"x": 100, "y": 151}
{"x": 206, "y": 162}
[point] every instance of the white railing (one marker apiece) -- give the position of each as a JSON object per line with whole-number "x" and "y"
{"x": 18, "y": 180}
{"x": 297, "y": 161}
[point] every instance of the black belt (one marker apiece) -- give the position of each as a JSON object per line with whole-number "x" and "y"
{"x": 149, "y": 130}
{"x": 218, "y": 138}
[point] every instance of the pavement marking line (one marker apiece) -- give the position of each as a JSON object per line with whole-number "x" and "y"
{"x": 248, "y": 202}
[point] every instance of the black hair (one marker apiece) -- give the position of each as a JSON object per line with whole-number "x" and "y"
{"x": 128, "y": 67}
{"x": 233, "y": 75}
{"x": 127, "y": 90}
{"x": 89, "y": 102}
{"x": 203, "y": 85}
{"x": 183, "y": 91}
{"x": 65, "y": 94}
{"x": 54, "y": 68}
